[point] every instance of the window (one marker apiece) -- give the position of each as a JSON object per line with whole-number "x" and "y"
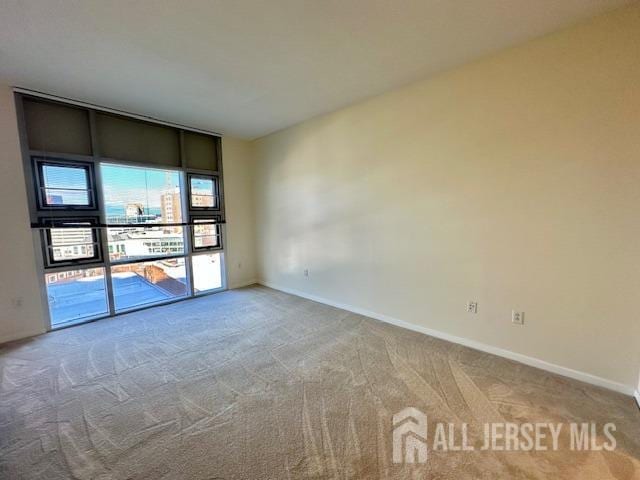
{"x": 76, "y": 295}
{"x": 207, "y": 272}
{"x": 65, "y": 185}
{"x": 141, "y": 195}
{"x": 145, "y": 283}
{"x": 134, "y": 243}
{"x": 203, "y": 192}
{"x": 70, "y": 241}
{"x": 206, "y": 234}
{"x": 113, "y": 199}
{"x": 149, "y": 198}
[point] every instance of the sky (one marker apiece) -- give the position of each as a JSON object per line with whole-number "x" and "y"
{"x": 123, "y": 185}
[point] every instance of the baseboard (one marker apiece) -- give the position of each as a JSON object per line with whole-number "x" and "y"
{"x": 243, "y": 283}
{"x": 518, "y": 357}
{"x": 636, "y": 395}
{"x": 20, "y": 336}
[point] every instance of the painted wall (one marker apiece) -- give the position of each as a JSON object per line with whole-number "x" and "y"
{"x": 21, "y": 313}
{"x": 239, "y": 197}
{"x": 21, "y": 310}
{"x": 513, "y": 181}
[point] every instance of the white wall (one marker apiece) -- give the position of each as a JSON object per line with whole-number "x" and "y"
{"x": 18, "y": 276}
{"x": 513, "y": 181}
{"x": 240, "y": 211}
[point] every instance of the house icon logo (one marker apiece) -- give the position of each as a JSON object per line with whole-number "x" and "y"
{"x": 409, "y": 436}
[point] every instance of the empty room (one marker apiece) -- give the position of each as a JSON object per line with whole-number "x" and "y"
{"x": 319, "y": 239}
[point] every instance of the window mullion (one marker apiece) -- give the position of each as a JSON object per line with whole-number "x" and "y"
{"x": 187, "y": 232}
{"x": 106, "y": 258}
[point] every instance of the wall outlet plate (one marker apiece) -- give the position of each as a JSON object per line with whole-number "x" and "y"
{"x": 472, "y": 307}
{"x": 517, "y": 317}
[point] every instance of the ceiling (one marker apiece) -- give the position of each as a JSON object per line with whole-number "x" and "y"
{"x": 250, "y": 67}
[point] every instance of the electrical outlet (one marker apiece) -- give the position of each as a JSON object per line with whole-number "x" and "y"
{"x": 517, "y": 317}
{"x": 306, "y": 272}
{"x": 472, "y": 307}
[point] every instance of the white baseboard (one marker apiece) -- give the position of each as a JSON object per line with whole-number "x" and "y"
{"x": 21, "y": 336}
{"x": 518, "y": 357}
{"x": 243, "y": 283}
{"x": 636, "y": 395}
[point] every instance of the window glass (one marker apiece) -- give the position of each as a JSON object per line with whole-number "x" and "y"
{"x": 132, "y": 243}
{"x": 70, "y": 240}
{"x": 147, "y": 196}
{"x": 142, "y": 283}
{"x": 76, "y": 295}
{"x": 141, "y": 195}
{"x": 65, "y": 185}
{"x": 207, "y": 272}
{"x": 203, "y": 192}
{"x": 71, "y": 244}
{"x": 205, "y": 233}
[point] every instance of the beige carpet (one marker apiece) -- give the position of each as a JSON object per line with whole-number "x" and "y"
{"x": 257, "y": 384}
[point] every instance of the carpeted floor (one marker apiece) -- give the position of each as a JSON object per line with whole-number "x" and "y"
{"x": 258, "y": 384}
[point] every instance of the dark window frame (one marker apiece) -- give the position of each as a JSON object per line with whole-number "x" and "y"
{"x": 193, "y": 221}
{"x": 216, "y": 192}
{"x": 47, "y": 243}
{"x": 43, "y": 205}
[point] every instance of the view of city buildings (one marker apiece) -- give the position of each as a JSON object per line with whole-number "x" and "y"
{"x": 144, "y": 210}
{"x": 139, "y": 242}
{"x": 72, "y": 243}
{"x": 136, "y": 217}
